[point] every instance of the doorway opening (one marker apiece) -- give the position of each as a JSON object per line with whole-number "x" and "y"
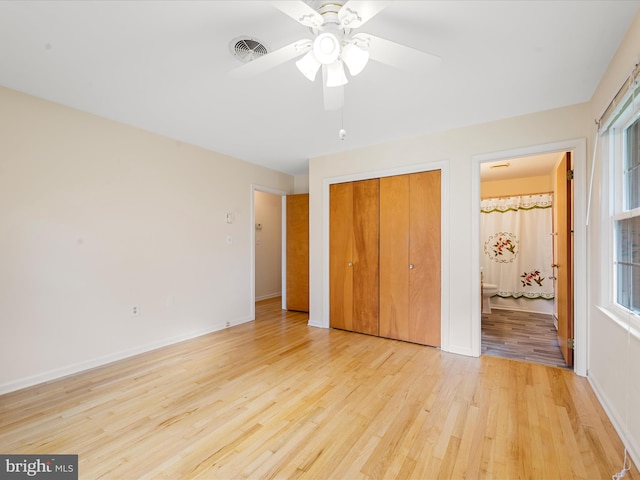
{"x": 268, "y": 240}
{"x": 519, "y": 216}
{"x": 531, "y": 174}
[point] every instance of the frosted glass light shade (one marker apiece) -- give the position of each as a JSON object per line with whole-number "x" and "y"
{"x": 335, "y": 74}
{"x": 326, "y": 48}
{"x": 309, "y": 66}
{"x": 355, "y": 58}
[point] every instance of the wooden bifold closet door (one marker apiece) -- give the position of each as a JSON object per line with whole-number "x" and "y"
{"x": 353, "y": 253}
{"x": 384, "y": 249}
{"x": 410, "y": 265}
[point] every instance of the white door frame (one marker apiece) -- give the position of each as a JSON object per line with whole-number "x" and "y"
{"x": 579, "y": 149}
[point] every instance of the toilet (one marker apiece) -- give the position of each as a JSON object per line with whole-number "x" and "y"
{"x": 488, "y": 291}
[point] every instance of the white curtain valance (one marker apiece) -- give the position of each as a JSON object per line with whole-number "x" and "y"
{"x": 506, "y": 204}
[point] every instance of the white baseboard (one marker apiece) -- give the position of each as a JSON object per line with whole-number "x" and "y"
{"x": 79, "y": 367}
{"x": 516, "y": 309}
{"x": 270, "y": 295}
{"x": 467, "y": 352}
{"x": 616, "y": 421}
{"x": 313, "y": 323}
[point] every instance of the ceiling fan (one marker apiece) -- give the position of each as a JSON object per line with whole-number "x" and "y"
{"x": 334, "y": 44}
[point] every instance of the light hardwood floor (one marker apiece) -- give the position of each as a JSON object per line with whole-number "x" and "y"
{"x": 275, "y": 398}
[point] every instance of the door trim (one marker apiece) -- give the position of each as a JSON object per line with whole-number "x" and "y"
{"x": 443, "y": 166}
{"x": 579, "y": 148}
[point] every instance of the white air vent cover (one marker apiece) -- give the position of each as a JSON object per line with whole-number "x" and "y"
{"x": 247, "y": 48}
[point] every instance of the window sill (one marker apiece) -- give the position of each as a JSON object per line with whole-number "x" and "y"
{"x": 625, "y": 320}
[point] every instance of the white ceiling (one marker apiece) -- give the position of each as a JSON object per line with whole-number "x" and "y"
{"x": 164, "y": 67}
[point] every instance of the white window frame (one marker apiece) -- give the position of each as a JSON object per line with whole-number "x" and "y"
{"x": 614, "y": 149}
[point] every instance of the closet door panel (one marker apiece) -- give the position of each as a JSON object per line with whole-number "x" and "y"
{"x": 424, "y": 254}
{"x": 394, "y": 257}
{"x": 365, "y": 256}
{"x": 340, "y": 247}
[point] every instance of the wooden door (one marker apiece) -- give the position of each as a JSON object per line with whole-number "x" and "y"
{"x": 425, "y": 257}
{"x": 394, "y": 257}
{"x": 340, "y": 260}
{"x": 366, "y": 219}
{"x": 353, "y": 256}
{"x": 297, "y": 228}
{"x": 410, "y": 265}
{"x": 563, "y": 257}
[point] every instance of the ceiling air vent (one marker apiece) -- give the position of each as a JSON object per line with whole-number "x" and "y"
{"x": 246, "y": 49}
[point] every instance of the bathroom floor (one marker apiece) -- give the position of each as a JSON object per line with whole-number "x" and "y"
{"x": 522, "y": 336}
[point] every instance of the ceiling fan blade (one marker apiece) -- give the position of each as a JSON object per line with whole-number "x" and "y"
{"x": 271, "y": 60}
{"x": 300, "y": 12}
{"x": 356, "y": 13}
{"x": 398, "y": 55}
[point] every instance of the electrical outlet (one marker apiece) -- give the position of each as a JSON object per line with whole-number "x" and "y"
{"x": 135, "y": 311}
{"x": 228, "y": 324}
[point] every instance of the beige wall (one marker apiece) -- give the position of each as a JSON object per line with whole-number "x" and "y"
{"x": 268, "y": 238}
{"x": 97, "y": 217}
{"x": 614, "y": 350}
{"x": 301, "y": 184}
{"x": 453, "y": 151}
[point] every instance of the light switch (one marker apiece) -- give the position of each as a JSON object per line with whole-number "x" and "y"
{"x": 229, "y": 239}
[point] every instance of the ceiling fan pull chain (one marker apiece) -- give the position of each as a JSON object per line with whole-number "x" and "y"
{"x": 342, "y": 133}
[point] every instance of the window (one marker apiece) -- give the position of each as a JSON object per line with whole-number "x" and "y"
{"x": 626, "y": 215}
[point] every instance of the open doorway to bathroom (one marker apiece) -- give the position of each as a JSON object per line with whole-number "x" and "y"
{"x": 519, "y": 217}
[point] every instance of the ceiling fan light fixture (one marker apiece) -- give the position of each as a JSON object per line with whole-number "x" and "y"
{"x": 335, "y": 74}
{"x": 326, "y": 48}
{"x": 355, "y": 58}
{"x": 309, "y": 66}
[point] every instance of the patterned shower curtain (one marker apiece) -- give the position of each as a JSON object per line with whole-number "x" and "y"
{"x": 517, "y": 246}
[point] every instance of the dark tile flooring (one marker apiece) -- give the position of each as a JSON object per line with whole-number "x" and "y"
{"x": 526, "y": 336}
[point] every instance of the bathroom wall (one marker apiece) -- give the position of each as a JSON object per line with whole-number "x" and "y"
{"x": 509, "y": 188}
{"x": 516, "y": 186}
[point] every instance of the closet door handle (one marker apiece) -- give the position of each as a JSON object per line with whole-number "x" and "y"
{"x": 411, "y": 266}
{"x": 554, "y": 265}
{"x": 350, "y": 264}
